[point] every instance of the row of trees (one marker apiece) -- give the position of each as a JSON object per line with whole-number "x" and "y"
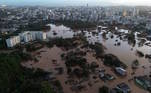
{"x": 77, "y": 24}
{"x": 67, "y": 43}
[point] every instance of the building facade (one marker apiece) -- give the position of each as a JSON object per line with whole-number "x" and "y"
{"x": 12, "y": 41}
{"x": 26, "y": 37}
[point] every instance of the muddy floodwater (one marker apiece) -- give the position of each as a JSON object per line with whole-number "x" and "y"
{"x": 125, "y": 52}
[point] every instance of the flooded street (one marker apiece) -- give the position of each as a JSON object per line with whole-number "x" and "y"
{"x": 50, "y": 59}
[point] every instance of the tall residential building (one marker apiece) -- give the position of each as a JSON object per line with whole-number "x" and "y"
{"x": 39, "y": 35}
{"x": 12, "y": 41}
{"x": 26, "y": 37}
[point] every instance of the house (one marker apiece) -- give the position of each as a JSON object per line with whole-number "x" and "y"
{"x": 120, "y": 71}
{"x": 123, "y": 88}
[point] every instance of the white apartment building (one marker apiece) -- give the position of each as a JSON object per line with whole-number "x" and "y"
{"x": 26, "y": 37}
{"x": 39, "y": 35}
{"x": 12, "y": 41}
{"x": 32, "y": 35}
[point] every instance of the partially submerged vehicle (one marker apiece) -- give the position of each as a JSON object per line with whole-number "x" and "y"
{"x": 120, "y": 71}
{"x": 144, "y": 82}
{"x": 123, "y": 88}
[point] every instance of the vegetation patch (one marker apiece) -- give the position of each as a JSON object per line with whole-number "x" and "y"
{"x": 113, "y": 61}
{"x": 16, "y": 79}
{"x": 77, "y": 64}
{"x": 139, "y": 53}
{"x": 98, "y": 48}
{"x": 76, "y": 24}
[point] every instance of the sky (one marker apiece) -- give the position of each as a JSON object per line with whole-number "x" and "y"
{"x": 77, "y": 2}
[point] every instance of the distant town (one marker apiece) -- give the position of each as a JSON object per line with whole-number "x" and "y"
{"x": 76, "y": 49}
{"x": 16, "y": 19}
